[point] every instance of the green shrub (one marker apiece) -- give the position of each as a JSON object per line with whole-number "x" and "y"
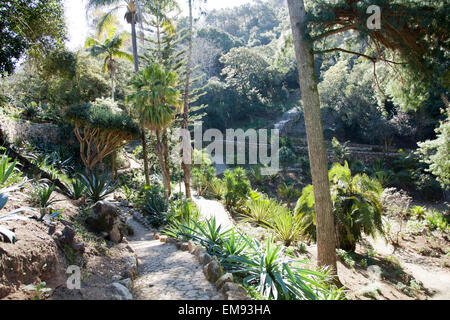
{"x": 217, "y": 188}
{"x": 418, "y": 212}
{"x": 435, "y": 220}
{"x": 154, "y": 206}
{"x": 6, "y": 168}
{"x": 356, "y": 206}
{"x": 98, "y": 186}
{"x": 237, "y": 188}
{"x": 286, "y": 226}
{"x": 259, "y": 211}
{"x": 77, "y": 189}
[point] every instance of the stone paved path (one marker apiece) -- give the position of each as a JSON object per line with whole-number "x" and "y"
{"x": 166, "y": 273}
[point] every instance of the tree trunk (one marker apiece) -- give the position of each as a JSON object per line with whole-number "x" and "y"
{"x": 136, "y": 69}
{"x": 185, "y": 125}
{"x": 112, "y": 85}
{"x": 165, "y": 143}
{"x": 160, "y": 151}
{"x": 326, "y": 239}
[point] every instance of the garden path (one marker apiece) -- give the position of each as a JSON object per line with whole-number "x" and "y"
{"x": 166, "y": 273}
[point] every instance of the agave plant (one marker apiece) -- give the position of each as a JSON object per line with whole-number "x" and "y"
{"x": 76, "y": 188}
{"x": 98, "y": 186}
{"x": 10, "y": 216}
{"x": 6, "y": 168}
{"x": 274, "y": 276}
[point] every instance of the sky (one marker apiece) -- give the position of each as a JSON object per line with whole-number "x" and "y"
{"x": 78, "y": 27}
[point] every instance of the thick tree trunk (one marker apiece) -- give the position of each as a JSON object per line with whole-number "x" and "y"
{"x": 136, "y": 69}
{"x": 185, "y": 125}
{"x": 326, "y": 240}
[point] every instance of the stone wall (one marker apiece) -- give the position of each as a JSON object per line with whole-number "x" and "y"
{"x": 13, "y": 130}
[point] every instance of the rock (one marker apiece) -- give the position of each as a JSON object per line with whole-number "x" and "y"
{"x": 234, "y": 291}
{"x": 198, "y": 250}
{"x": 66, "y": 237}
{"x": 120, "y": 292}
{"x": 130, "y": 248}
{"x": 213, "y": 271}
{"x": 127, "y": 283}
{"x": 156, "y": 236}
{"x": 116, "y": 277}
{"x": 105, "y": 217}
{"x": 79, "y": 246}
{"x": 163, "y": 238}
{"x": 191, "y": 246}
{"x": 227, "y": 277}
{"x": 204, "y": 258}
{"x": 171, "y": 241}
{"x": 184, "y": 246}
{"x": 137, "y": 216}
{"x": 130, "y": 269}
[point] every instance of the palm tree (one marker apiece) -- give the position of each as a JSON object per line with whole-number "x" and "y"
{"x": 132, "y": 16}
{"x": 157, "y": 100}
{"x": 111, "y": 49}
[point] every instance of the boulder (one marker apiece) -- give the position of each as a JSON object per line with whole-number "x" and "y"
{"x": 213, "y": 271}
{"x": 120, "y": 292}
{"x": 104, "y": 217}
{"x": 234, "y": 291}
{"x": 66, "y": 237}
{"x": 191, "y": 246}
{"x": 227, "y": 277}
{"x": 204, "y": 258}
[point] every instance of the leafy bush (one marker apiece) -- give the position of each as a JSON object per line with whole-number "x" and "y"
{"x": 237, "y": 188}
{"x": 435, "y": 220}
{"x": 286, "y": 226}
{"x": 98, "y": 186}
{"x": 154, "y": 206}
{"x": 217, "y": 188}
{"x": 418, "y": 212}
{"x": 356, "y": 207}
{"x": 435, "y": 153}
{"x": 259, "y": 211}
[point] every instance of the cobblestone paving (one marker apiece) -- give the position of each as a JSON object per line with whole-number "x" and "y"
{"x": 166, "y": 273}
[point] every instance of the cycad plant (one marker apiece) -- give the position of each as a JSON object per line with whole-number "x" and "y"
{"x": 356, "y": 206}
{"x": 288, "y": 193}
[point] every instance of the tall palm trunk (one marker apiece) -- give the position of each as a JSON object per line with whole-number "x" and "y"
{"x": 326, "y": 240}
{"x": 160, "y": 149}
{"x": 112, "y": 83}
{"x": 165, "y": 143}
{"x": 136, "y": 69}
{"x": 187, "y": 166}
